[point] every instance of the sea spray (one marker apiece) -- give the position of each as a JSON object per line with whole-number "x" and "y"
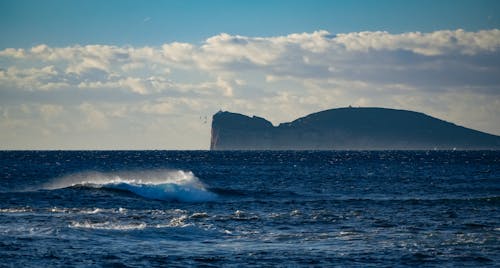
{"x": 169, "y": 185}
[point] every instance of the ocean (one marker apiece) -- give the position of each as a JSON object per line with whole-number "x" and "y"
{"x": 249, "y": 208}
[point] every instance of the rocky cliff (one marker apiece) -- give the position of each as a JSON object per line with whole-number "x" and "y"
{"x": 346, "y": 129}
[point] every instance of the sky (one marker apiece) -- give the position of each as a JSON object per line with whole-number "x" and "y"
{"x": 150, "y": 74}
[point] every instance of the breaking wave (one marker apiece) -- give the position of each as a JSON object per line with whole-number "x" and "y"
{"x": 166, "y": 185}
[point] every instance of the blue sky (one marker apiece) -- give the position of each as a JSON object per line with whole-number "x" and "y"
{"x": 58, "y": 23}
{"x": 145, "y": 74}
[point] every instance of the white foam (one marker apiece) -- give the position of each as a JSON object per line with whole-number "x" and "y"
{"x": 198, "y": 215}
{"x": 154, "y": 184}
{"x": 15, "y": 210}
{"x": 108, "y": 226}
{"x": 27, "y": 230}
{"x": 176, "y": 222}
{"x": 81, "y": 210}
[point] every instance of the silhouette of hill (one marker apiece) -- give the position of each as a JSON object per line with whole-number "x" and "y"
{"x": 346, "y": 129}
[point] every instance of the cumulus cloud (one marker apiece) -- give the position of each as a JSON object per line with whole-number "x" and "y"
{"x": 12, "y": 52}
{"x": 367, "y": 56}
{"x": 443, "y": 73}
{"x": 429, "y": 44}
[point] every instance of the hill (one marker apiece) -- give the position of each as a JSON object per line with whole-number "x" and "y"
{"x": 346, "y": 129}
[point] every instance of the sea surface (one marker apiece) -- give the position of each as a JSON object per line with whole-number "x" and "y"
{"x": 242, "y": 208}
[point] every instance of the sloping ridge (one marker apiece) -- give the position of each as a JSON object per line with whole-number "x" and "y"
{"x": 346, "y": 129}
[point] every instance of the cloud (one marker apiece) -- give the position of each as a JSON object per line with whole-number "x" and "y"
{"x": 93, "y": 117}
{"x": 48, "y": 111}
{"x": 453, "y": 74}
{"x": 12, "y": 52}
{"x": 442, "y": 57}
{"x": 177, "y": 53}
{"x": 29, "y": 78}
{"x": 224, "y": 48}
{"x": 428, "y": 44}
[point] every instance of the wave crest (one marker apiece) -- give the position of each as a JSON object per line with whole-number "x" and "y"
{"x": 169, "y": 185}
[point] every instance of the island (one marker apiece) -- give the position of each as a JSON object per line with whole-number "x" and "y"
{"x": 347, "y": 129}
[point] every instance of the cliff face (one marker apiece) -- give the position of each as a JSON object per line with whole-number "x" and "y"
{"x": 231, "y": 131}
{"x": 346, "y": 129}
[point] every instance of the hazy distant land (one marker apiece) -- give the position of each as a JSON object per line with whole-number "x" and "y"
{"x": 347, "y": 129}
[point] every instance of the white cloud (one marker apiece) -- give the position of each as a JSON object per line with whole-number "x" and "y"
{"x": 369, "y": 56}
{"x": 429, "y": 44}
{"x": 225, "y": 86}
{"x": 135, "y": 84}
{"x": 13, "y": 52}
{"x": 28, "y": 78}
{"x": 453, "y": 74}
{"x": 161, "y": 108}
{"x": 178, "y": 52}
{"x": 224, "y": 48}
{"x": 87, "y": 64}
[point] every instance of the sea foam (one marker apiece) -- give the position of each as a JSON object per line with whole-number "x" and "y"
{"x": 169, "y": 185}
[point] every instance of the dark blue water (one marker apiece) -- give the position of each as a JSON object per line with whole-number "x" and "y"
{"x": 184, "y": 208}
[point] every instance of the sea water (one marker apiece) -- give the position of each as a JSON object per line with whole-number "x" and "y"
{"x": 202, "y": 208}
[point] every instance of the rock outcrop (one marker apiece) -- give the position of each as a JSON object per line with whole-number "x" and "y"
{"x": 346, "y": 129}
